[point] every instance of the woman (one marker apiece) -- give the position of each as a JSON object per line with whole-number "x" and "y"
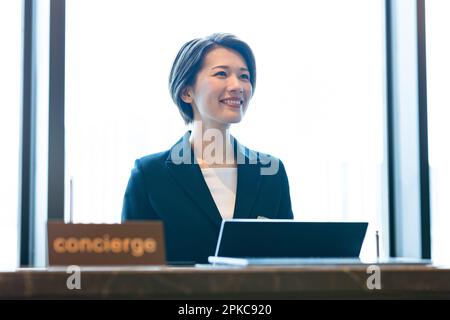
{"x": 207, "y": 175}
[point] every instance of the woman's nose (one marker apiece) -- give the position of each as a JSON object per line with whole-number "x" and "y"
{"x": 234, "y": 84}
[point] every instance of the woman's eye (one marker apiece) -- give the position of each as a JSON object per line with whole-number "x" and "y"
{"x": 221, "y": 73}
{"x": 245, "y": 76}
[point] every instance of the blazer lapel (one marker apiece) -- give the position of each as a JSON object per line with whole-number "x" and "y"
{"x": 248, "y": 181}
{"x": 188, "y": 175}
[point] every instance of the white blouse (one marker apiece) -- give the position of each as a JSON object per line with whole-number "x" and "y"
{"x": 222, "y": 183}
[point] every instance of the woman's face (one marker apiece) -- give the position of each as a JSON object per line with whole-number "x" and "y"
{"x": 222, "y": 89}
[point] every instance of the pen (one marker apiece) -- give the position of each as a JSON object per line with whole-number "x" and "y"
{"x": 71, "y": 200}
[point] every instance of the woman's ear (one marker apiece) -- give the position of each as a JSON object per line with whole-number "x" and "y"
{"x": 186, "y": 95}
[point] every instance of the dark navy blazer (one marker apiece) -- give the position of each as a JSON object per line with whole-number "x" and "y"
{"x": 162, "y": 188}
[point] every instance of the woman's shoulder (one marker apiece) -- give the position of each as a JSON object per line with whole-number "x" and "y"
{"x": 269, "y": 164}
{"x": 258, "y": 156}
{"x": 152, "y": 160}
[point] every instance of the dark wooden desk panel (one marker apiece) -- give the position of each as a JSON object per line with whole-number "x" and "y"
{"x": 286, "y": 282}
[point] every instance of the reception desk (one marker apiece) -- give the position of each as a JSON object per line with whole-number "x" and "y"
{"x": 281, "y": 282}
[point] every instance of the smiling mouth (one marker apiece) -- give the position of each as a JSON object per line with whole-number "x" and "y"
{"x": 234, "y": 103}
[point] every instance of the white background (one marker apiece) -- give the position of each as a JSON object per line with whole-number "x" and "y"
{"x": 318, "y": 103}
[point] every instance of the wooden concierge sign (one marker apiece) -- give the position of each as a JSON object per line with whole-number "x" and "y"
{"x": 131, "y": 243}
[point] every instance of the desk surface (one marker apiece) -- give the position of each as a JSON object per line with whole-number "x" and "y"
{"x": 280, "y": 282}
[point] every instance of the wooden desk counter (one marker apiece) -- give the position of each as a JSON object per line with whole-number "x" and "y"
{"x": 281, "y": 282}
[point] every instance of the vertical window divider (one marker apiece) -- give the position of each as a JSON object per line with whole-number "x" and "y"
{"x": 56, "y": 132}
{"x": 423, "y": 131}
{"x": 28, "y": 134}
{"x": 409, "y": 194}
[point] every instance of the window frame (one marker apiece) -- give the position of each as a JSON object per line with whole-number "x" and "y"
{"x": 401, "y": 242}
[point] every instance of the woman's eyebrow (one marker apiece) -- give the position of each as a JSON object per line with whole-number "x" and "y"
{"x": 227, "y": 67}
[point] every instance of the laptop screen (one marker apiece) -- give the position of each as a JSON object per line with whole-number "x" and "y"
{"x": 256, "y": 238}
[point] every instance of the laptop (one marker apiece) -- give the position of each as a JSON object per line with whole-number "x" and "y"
{"x": 256, "y": 241}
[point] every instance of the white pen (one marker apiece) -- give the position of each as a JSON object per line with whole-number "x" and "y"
{"x": 71, "y": 200}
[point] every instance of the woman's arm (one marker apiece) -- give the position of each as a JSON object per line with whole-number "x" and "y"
{"x": 136, "y": 204}
{"x": 285, "y": 208}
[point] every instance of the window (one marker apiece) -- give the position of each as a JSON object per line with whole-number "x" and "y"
{"x": 10, "y": 106}
{"x": 318, "y": 104}
{"x": 438, "y": 69}
{"x": 42, "y": 36}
